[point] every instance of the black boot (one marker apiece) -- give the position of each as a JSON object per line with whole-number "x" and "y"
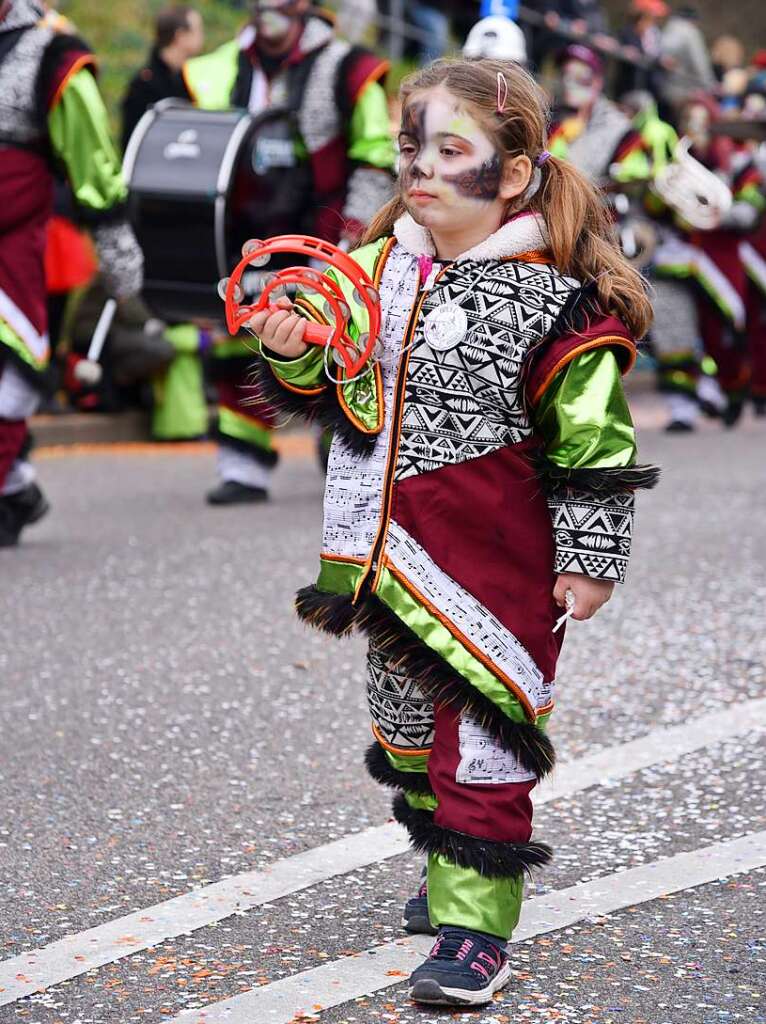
{"x": 733, "y": 411}
{"x": 232, "y": 493}
{"x": 9, "y": 525}
{"x": 29, "y": 505}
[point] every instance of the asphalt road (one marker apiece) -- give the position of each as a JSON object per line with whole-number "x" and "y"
{"x": 167, "y": 723}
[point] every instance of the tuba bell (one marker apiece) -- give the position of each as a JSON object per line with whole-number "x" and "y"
{"x": 694, "y": 192}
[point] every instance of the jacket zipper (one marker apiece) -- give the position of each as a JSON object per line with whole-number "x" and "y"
{"x": 372, "y": 570}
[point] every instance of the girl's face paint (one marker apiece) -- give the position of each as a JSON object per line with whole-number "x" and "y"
{"x": 449, "y": 167}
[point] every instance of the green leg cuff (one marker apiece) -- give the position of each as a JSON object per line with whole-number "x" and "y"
{"x": 238, "y": 427}
{"x": 180, "y": 409}
{"x": 466, "y": 899}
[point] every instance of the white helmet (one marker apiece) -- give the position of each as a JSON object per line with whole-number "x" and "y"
{"x": 496, "y": 37}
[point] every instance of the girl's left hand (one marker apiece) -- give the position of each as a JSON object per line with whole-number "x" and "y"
{"x": 589, "y": 594}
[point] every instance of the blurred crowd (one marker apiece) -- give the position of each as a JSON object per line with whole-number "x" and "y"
{"x": 670, "y": 125}
{"x": 654, "y": 62}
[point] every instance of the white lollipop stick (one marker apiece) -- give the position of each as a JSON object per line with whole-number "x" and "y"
{"x": 570, "y": 600}
{"x": 88, "y": 370}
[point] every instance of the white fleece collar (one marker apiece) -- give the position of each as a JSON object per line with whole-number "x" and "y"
{"x": 523, "y": 233}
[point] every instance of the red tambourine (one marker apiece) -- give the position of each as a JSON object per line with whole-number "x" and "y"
{"x": 353, "y": 356}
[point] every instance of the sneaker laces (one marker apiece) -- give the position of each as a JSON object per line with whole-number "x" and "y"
{"x": 456, "y": 945}
{"x": 451, "y": 946}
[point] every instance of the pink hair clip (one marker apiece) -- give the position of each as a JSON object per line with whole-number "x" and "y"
{"x": 502, "y": 93}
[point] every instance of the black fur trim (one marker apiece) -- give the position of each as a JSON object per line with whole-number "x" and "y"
{"x": 381, "y": 769}
{"x": 322, "y": 408}
{"x": 602, "y": 482}
{"x": 581, "y": 309}
{"x": 338, "y": 615}
{"x": 332, "y": 613}
{"x": 577, "y": 313}
{"x": 265, "y": 387}
{"x": 230, "y": 368}
{"x": 436, "y": 677}
{"x": 261, "y": 455}
{"x": 488, "y": 857}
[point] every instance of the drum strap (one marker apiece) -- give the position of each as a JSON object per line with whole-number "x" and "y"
{"x": 297, "y": 77}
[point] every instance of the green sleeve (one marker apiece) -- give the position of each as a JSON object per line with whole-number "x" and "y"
{"x": 583, "y": 416}
{"x": 634, "y": 166}
{"x": 306, "y": 372}
{"x": 79, "y": 133}
{"x": 370, "y": 140}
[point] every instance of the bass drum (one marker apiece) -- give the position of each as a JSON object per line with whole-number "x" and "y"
{"x": 201, "y": 183}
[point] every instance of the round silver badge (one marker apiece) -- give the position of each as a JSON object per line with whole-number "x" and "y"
{"x": 445, "y": 327}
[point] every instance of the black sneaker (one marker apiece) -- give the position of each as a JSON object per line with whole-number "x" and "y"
{"x": 29, "y": 505}
{"x": 415, "y": 917}
{"x": 464, "y": 968}
{"x": 231, "y": 493}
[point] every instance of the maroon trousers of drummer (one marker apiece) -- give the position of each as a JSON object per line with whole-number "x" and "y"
{"x": 13, "y": 434}
{"x": 727, "y": 347}
{"x": 721, "y": 340}
{"x": 756, "y": 341}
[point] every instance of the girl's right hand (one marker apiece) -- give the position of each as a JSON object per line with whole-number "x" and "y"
{"x": 280, "y": 329}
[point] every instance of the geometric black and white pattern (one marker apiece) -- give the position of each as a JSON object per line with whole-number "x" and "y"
{"x": 402, "y": 714}
{"x": 468, "y": 401}
{"x": 19, "y": 119}
{"x": 593, "y": 535}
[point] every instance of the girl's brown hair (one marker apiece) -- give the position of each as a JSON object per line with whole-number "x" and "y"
{"x": 581, "y": 234}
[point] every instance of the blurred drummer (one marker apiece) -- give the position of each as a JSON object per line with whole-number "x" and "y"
{"x": 59, "y": 126}
{"x": 290, "y": 57}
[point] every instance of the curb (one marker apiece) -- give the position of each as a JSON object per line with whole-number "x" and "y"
{"x": 84, "y": 428}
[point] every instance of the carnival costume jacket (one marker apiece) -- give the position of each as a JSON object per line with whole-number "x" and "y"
{"x": 461, "y": 482}
{"x": 52, "y": 115}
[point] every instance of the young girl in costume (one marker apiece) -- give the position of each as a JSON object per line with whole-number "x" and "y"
{"x": 483, "y": 470}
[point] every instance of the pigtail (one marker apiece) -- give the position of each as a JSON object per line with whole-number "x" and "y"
{"x": 382, "y": 224}
{"x": 584, "y": 245}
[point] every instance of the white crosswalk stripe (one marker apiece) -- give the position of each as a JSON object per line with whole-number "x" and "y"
{"x": 374, "y": 969}
{"x": 67, "y": 958}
